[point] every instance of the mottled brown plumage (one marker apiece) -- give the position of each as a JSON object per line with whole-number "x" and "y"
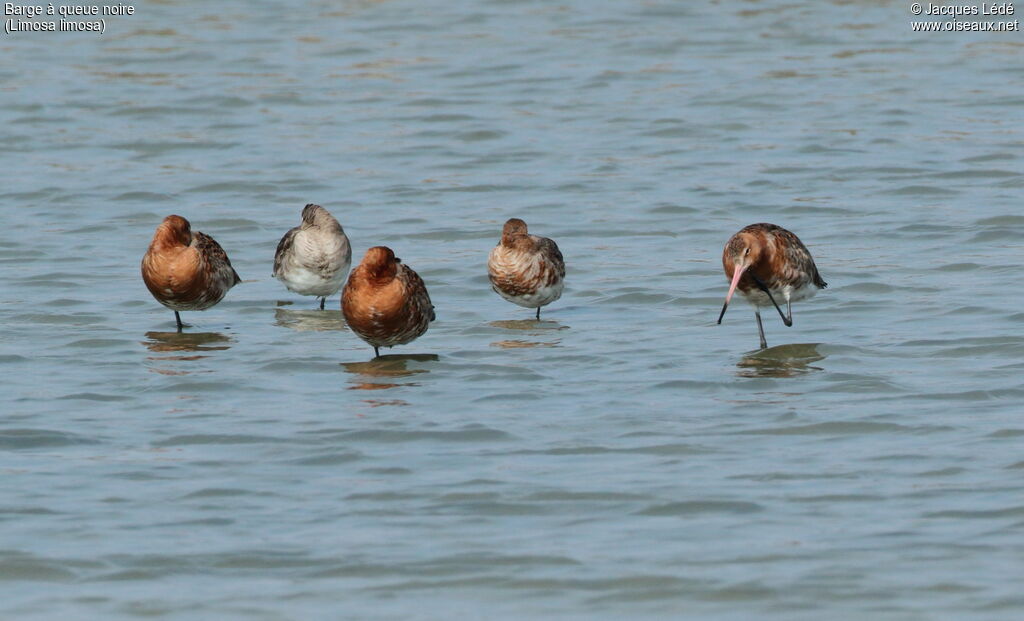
{"x": 525, "y": 269}
{"x": 766, "y": 264}
{"x": 385, "y": 302}
{"x": 186, "y": 270}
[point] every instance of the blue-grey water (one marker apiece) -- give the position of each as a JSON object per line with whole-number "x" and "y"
{"x": 623, "y": 458}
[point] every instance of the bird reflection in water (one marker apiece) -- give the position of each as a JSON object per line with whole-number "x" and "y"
{"x": 781, "y": 361}
{"x": 387, "y": 367}
{"x": 191, "y": 344}
{"x": 306, "y": 320}
{"x": 530, "y": 328}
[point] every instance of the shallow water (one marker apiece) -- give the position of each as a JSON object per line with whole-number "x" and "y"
{"x": 625, "y": 455}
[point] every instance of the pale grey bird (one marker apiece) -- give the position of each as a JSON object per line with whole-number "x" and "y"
{"x": 314, "y": 257}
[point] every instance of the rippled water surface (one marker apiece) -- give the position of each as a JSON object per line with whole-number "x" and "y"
{"x": 623, "y": 457}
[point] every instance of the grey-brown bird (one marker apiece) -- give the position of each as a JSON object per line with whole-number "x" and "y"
{"x": 525, "y": 269}
{"x": 313, "y": 258}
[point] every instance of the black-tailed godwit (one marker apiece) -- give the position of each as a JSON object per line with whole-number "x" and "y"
{"x": 525, "y": 269}
{"x": 385, "y": 302}
{"x": 768, "y": 264}
{"x": 313, "y": 258}
{"x": 186, "y": 270}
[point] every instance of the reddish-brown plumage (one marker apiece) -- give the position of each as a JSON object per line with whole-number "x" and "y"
{"x": 525, "y": 269}
{"x": 385, "y": 302}
{"x": 769, "y": 265}
{"x": 186, "y": 270}
{"x": 776, "y": 256}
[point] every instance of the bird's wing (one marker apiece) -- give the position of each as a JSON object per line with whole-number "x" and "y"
{"x": 552, "y": 254}
{"x": 798, "y": 254}
{"x": 418, "y": 295}
{"x": 214, "y": 255}
{"x": 283, "y": 247}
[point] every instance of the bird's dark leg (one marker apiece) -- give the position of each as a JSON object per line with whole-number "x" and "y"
{"x": 322, "y": 300}
{"x": 789, "y": 314}
{"x": 177, "y": 318}
{"x": 538, "y": 313}
{"x": 763, "y": 287}
{"x": 376, "y": 352}
{"x": 760, "y": 329}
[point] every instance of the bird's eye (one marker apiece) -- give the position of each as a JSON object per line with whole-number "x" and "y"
{"x": 746, "y": 252}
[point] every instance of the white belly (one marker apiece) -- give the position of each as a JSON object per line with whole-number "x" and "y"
{"x": 523, "y": 278}
{"x": 308, "y": 282}
{"x": 541, "y": 297}
{"x": 316, "y": 264}
{"x": 782, "y": 295}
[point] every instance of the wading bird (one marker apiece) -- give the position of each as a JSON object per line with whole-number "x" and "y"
{"x": 525, "y": 269}
{"x": 385, "y": 302}
{"x": 186, "y": 270}
{"x": 768, "y": 264}
{"x": 313, "y": 258}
